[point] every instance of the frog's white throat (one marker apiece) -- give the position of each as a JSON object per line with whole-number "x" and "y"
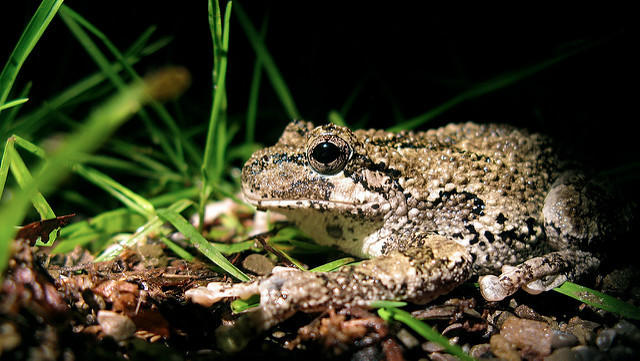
{"x": 359, "y": 229}
{"x": 357, "y": 237}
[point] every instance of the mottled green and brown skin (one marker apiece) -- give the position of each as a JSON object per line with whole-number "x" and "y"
{"x": 429, "y": 208}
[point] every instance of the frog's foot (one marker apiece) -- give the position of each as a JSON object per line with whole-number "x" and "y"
{"x": 417, "y": 275}
{"x": 284, "y": 292}
{"x": 538, "y": 274}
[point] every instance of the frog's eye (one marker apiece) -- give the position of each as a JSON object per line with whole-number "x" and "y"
{"x": 328, "y": 154}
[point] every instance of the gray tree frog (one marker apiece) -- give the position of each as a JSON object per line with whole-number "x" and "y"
{"x": 428, "y": 210}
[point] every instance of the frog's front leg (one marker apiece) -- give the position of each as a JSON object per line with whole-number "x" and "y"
{"x": 538, "y": 274}
{"x": 416, "y": 274}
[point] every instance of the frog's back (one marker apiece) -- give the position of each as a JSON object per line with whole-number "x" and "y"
{"x": 481, "y": 185}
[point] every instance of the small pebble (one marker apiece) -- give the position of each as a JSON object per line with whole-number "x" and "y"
{"x": 407, "y": 339}
{"x": 503, "y": 348}
{"x": 442, "y": 357}
{"x": 590, "y": 353}
{"x": 9, "y": 337}
{"x": 367, "y": 353}
{"x": 533, "y": 337}
{"x": 432, "y": 347}
{"x": 116, "y": 325}
{"x": 482, "y": 350}
{"x": 582, "y": 329}
{"x": 258, "y": 264}
{"x": 605, "y": 339}
{"x": 564, "y": 354}
{"x": 628, "y": 330}
{"x": 524, "y": 311}
{"x": 561, "y": 339}
{"x": 623, "y": 353}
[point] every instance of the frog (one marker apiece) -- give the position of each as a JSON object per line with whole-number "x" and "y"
{"x": 426, "y": 211}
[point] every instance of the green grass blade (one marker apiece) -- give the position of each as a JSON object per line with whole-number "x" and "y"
{"x": 599, "y": 299}
{"x": 8, "y": 154}
{"x": 99, "y": 125}
{"x": 29, "y": 123}
{"x": 254, "y": 92}
{"x": 213, "y": 160}
{"x": 23, "y": 178}
{"x": 141, "y": 233}
{"x": 172, "y": 197}
{"x": 98, "y": 229}
{"x": 486, "y": 87}
{"x": 336, "y": 118}
{"x": 123, "y": 194}
{"x": 120, "y": 220}
{"x": 30, "y": 36}
{"x": 5, "y": 161}
{"x": 134, "y": 168}
{"x": 74, "y": 21}
{"x": 177, "y": 249}
{"x": 29, "y": 147}
{"x": 392, "y": 313}
{"x": 241, "y": 305}
{"x": 158, "y": 107}
{"x": 231, "y": 248}
{"x": 277, "y": 81}
{"x": 13, "y": 103}
{"x": 132, "y": 151}
{"x": 154, "y": 225}
{"x": 252, "y": 106}
{"x": 333, "y": 265}
{"x": 215, "y": 27}
{"x": 212, "y": 166}
{"x": 201, "y": 243}
{"x": 357, "y": 91}
{"x": 7, "y": 118}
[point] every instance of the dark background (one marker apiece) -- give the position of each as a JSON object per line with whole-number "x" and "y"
{"x": 402, "y": 60}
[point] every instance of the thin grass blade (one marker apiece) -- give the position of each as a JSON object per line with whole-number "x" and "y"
{"x": 98, "y": 228}
{"x": 333, "y": 265}
{"x": 152, "y": 226}
{"x": 13, "y": 103}
{"x": 277, "y": 80}
{"x": 392, "y": 313}
{"x": 30, "y": 36}
{"x": 254, "y": 92}
{"x": 212, "y": 165}
{"x": 5, "y": 162}
{"x": 117, "y": 190}
{"x": 489, "y": 86}
{"x": 177, "y": 249}
{"x": 23, "y": 177}
{"x": 99, "y": 125}
{"x": 74, "y": 21}
{"x": 201, "y": 243}
{"x": 31, "y": 122}
{"x": 29, "y": 147}
{"x": 599, "y": 299}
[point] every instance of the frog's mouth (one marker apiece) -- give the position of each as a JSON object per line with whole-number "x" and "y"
{"x": 282, "y": 205}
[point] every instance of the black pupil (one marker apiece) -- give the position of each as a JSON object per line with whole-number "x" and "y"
{"x": 325, "y": 152}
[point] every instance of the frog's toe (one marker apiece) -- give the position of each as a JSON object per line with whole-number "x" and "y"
{"x": 492, "y": 289}
{"x": 284, "y": 292}
{"x": 216, "y": 291}
{"x": 544, "y": 284}
{"x": 497, "y": 288}
{"x": 538, "y": 274}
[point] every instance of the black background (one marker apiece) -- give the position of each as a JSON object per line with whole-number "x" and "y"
{"x": 403, "y": 60}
